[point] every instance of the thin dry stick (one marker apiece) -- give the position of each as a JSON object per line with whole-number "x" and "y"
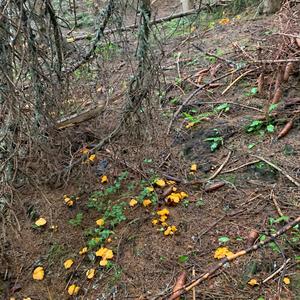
{"x": 276, "y": 204}
{"x": 237, "y": 79}
{"x": 277, "y": 271}
{"x": 275, "y": 61}
{"x": 289, "y": 35}
{"x": 221, "y": 167}
{"x": 290, "y": 178}
{"x": 232, "y": 257}
{"x": 211, "y": 227}
{"x": 188, "y": 99}
{"x": 194, "y": 289}
{"x": 242, "y": 166}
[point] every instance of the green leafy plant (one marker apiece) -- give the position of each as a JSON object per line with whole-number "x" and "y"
{"x": 215, "y": 141}
{"x": 186, "y": 203}
{"x": 257, "y": 126}
{"x": 148, "y": 160}
{"x": 77, "y": 220}
{"x": 197, "y": 118}
{"x": 97, "y": 236}
{"x": 200, "y": 202}
{"x": 251, "y": 145}
{"x": 83, "y": 73}
{"x": 278, "y": 220}
{"x": 146, "y": 194}
{"x": 224, "y": 107}
{"x": 55, "y": 253}
{"x": 96, "y": 199}
{"x": 272, "y": 107}
{"x": 115, "y": 214}
{"x": 253, "y": 91}
{"x": 272, "y": 245}
{"x": 254, "y": 126}
{"x": 117, "y": 273}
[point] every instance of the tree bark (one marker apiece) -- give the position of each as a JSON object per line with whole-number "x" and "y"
{"x": 271, "y": 6}
{"x": 187, "y": 5}
{"x": 6, "y": 108}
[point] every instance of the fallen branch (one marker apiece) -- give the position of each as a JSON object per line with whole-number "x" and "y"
{"x": 290, "y": 178}
{"x": 241, "y": 166}
{"x": 232, "y": 257}
{"x": 135, "y": 26}
{"x": 85, "y": 115}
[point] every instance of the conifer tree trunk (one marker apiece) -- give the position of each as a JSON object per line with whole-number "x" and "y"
{"x": 6, "y": 109}
{"x": 186, "y": 5}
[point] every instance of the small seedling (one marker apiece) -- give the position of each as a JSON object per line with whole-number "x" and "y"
{"x": 186, "y": 203}
{"x": 183, "y": 258}
{"x": 223, "y": 239}
{"x": 253, "y": 91}
{"x": 224, "y": 107}
{"x": 200, "y": 202}
{"x": 254, "y": 126}
{"x": 148, "y": 160}
{"x": 215, "y": 142}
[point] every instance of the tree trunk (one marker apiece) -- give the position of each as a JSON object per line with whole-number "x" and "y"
{"x": 187, "y": 5}
{"x": 271, "y": 6}
{"x": 6, "y": 108}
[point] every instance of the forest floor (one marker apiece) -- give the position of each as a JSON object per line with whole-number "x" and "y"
{"x": 216, "y": 129}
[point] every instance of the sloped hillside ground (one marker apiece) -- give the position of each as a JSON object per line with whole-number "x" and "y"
{"x": 212, "y": 178}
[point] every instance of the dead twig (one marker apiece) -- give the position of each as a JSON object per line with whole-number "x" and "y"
{"x": 221, "y": 167}
{"x": 277, "y": 271}
{"x": 237, "y": 79}
{"x": 272, "y": 196}
{"x": 194, "y": 289}
{"x": 290, "y": 178}
{"x": 240, "y": 167}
